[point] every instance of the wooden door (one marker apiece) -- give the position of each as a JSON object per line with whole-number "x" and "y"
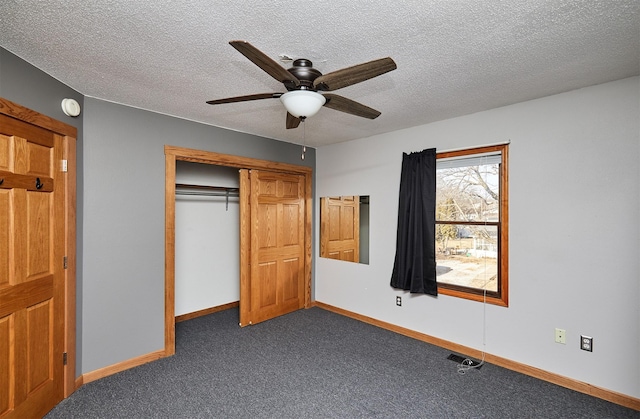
{"x": 340, "y": 228}
{"x": 32, "y": 245}
{"x": 273, "y": 283}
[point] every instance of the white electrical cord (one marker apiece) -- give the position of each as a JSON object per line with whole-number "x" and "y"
{"x": 467, "y": 363}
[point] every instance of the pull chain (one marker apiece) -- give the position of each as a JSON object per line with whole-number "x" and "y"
{"x": 304, "y": 137}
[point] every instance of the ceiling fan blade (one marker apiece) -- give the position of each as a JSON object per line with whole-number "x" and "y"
{"x": 292, "y": 121}
{"x": 245, "y": 98}
{"x": 263, "y": 61}
{"x": 355, "y": 74}
{"x": 342, "y": 104}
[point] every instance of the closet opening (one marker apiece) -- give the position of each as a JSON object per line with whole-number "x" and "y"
{"x": 198, "y": 181}
{"x": 207, "y": 223}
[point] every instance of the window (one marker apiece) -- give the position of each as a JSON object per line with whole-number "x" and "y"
{"x": 472, "y": 224}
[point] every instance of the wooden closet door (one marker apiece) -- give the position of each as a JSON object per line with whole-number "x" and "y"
{"x": 274, "y": 280}
{"x": 31, "y": 270}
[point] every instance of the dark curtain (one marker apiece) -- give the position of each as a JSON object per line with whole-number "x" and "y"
{"x": 414, "y": 268}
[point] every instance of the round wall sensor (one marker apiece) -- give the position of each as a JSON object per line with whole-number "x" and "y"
{"x": 70, "y": 107}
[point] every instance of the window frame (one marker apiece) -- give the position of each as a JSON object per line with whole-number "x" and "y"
{"x": 501, "y": 297}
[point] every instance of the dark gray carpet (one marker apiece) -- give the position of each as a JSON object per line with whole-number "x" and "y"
{"x": 317, "y": 364}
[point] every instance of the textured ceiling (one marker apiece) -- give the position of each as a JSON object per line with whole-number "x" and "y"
{"x": 453, "y": 57}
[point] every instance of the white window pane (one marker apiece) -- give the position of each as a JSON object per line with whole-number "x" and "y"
{"x": 467, "y": 256}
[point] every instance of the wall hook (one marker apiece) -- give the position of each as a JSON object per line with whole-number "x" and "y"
{"x": 38, "y": 184}
{"x": 1, "y": 181}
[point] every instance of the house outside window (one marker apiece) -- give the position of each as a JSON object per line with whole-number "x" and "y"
{"x": 472, "y": 224}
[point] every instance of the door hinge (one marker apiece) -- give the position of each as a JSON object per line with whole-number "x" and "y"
{"x": 64, "y": 262}
{"x": 64, "y": 166}
{"x": 64, "y": 358}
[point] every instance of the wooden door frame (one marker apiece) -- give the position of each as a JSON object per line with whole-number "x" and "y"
{"x": 173, "y": 154}
{"x": 69, "y": 138}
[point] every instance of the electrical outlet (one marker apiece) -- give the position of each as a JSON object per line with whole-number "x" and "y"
{"x": 399, "y": 301}
{"x": 561, "y": 336}
{"x": 586, "y": 343}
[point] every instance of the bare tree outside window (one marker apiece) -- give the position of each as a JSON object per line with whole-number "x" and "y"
{"x": 468, "y": 224}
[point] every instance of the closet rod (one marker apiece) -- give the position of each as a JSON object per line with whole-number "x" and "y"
{"x": 202, "y": 190}
{"x": 207, "y": 188}
{"x": 233, "y": 194}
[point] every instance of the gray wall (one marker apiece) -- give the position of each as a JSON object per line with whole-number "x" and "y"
{"x": 22, "y": 83}
{"x": 28, "y": 86}
{"x": 123, "y": 268}
{"x": 574, "y": 197}
{"x": 121, "y": 208}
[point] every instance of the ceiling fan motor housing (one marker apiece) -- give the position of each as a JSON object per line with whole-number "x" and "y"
{"x": 303, "y": 70}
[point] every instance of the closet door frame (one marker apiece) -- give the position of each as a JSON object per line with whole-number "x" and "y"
{"x": 173, "y": 154}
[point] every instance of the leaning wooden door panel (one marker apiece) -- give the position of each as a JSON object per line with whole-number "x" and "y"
{"x": 340, "y": 228}
{"x": 32, "y": 284}
{"x": 277, "y": 244}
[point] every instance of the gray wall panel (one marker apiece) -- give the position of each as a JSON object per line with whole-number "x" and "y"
{"x": 123, "y": 312}
{"x": 22, "y": 83}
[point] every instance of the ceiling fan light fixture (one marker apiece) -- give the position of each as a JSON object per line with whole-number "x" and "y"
{"x": 302, "y": 103}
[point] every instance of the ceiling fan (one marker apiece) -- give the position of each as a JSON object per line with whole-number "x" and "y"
{"x": 303, "y": 82}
